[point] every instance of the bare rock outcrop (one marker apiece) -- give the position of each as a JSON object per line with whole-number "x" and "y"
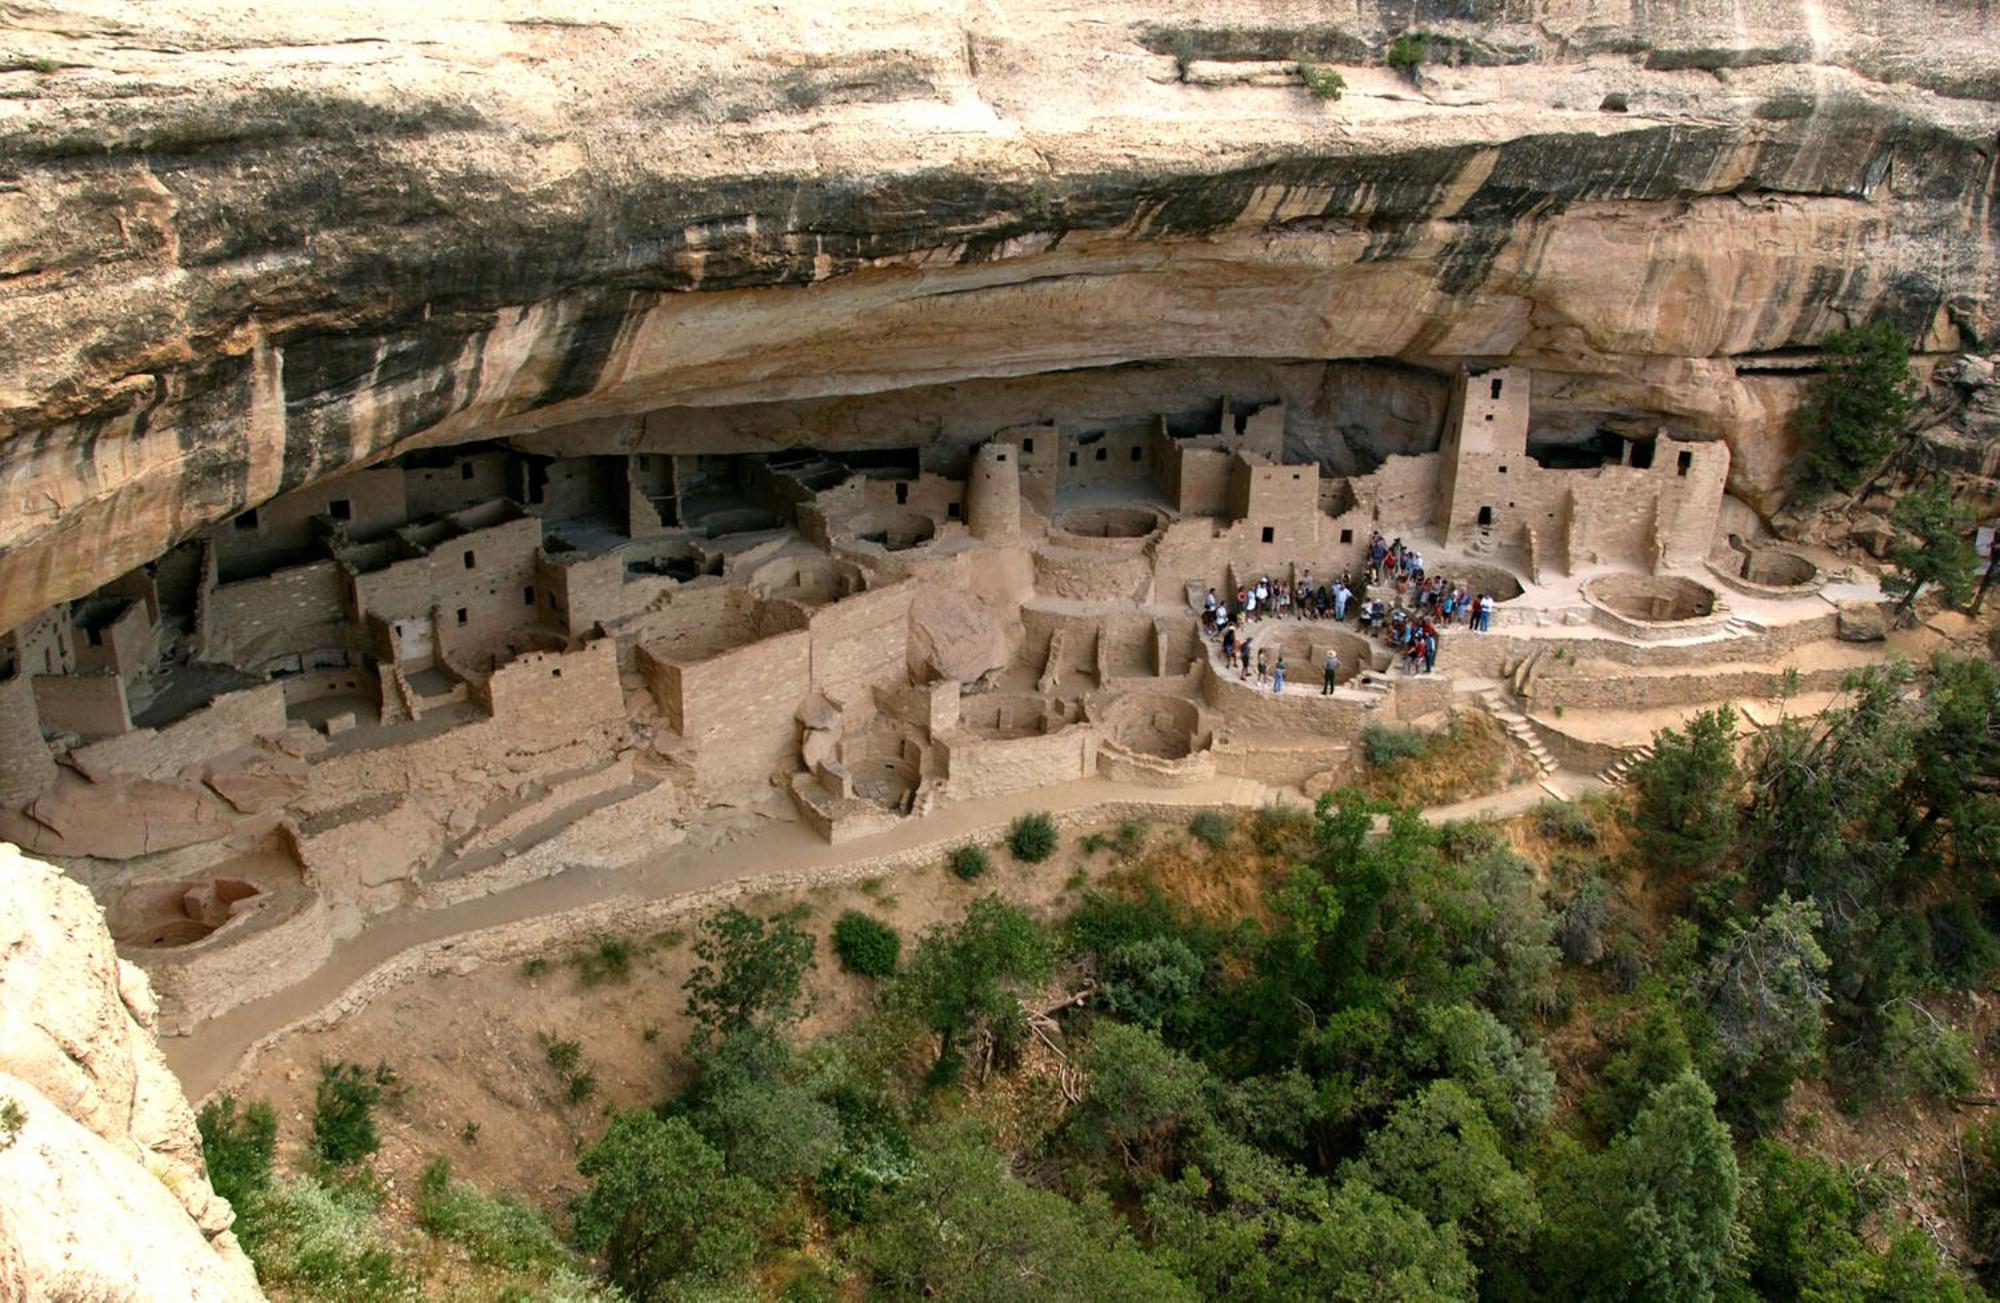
{"x": 246, "y": 247}
{"x": 102, "y": 1189}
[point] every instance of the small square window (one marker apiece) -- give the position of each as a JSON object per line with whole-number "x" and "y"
{"x": 1347, "y": 536}
{"x": 1270, "y": 534}
{"x": 1104, "y": 454}
{"x": 1489, "y": 416}
{"x": 951, "y": 511}
{"x": 1486, "y": 515}
{"x": 340, "y": 509}
{"x": 461, "y": 615}
{"x": 902, "y": 494}
{"x": 556, "y": 673}
{"x": 1028, "y": 446}
{"x": 1684, "y": 463}
{"x": 1072, "y": 459}
{"x": 468, "y": 561}
{"x": 465, "y": 470}
{"x": 528, "y": 595}
{"x": 247, "y": 521}
{"x": 1138, "y": 453}
{"x": 1503, "y": 470}
{"x": 1001, "y": 457}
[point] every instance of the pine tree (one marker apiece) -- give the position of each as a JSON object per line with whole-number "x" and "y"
{"x": 1864, "y": 396}
{"x": 1940, "y": 554}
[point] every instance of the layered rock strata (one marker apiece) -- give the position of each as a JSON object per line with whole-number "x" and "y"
{"x": 243, "y": 248}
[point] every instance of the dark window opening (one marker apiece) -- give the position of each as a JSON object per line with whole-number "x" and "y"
{"x": 1028, "y": 446}
{"x": 538, "y": 481}
{"x": 1137, "y": 452}
{"x": 1684, "y": 463}
{"x": 247, "y": 521}
{"x": 1347, "y": 536}
{"x": 1496, "y": 387}
{"x": 1103, "y": 454}
{"x": 1486, "y": 515}
{"x": 1001, "y": 457}
{"x": 528, "y": 596}
{"x": 1072, "y": 459}
{"x": 902, "y": 494}
{"x": 556, "y": 673}
{"x": 468, "y": 560}
{"x": 461, "y": 615}
{"x": 951, "y": 511}
{"x": 1270, "y": 534}
{"x": 465, "y": 470}
{"x": 1489, "y": 416}
{"x": 48, "y": 661}
{"x": 1503, "y": 470}
{"x": 95, "y": 636}
{"x": 1642, "y": 454}
{"x": 340, "y": 509}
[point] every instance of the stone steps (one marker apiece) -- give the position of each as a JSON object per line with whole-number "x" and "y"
{"x": 1521, "y": 729}
{"x": 1616, "y": 772}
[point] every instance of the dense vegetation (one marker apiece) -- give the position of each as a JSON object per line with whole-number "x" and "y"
{"x": 1858, "y": 408}
{"x": 1353, "y": 1094}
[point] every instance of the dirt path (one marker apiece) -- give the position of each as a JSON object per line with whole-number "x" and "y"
{"x": 205, "y": 1058}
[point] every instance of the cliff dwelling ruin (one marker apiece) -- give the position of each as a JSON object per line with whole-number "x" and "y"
{"x": 390, "y": 689}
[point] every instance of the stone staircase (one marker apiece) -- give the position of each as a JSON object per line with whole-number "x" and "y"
{"x": 1520, "y": 728}
{"x": 1617, "y": 771}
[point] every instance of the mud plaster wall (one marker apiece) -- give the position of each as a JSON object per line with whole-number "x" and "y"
{"x": 25, "y": 763}
{"x": 123, "y": 647}
{"x": 223, "y": 725}
{"x": 300, "y": 609}
{"x": 92, "y": 705}
{"x": 476, "y": 477}
{"x": 284, "y": 527}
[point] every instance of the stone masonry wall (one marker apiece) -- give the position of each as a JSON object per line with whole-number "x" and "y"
{"x": 300, "y": 609}
{"x": 25, "y": 764}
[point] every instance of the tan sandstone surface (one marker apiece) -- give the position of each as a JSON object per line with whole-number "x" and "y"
{"x": 245, "y": 246}
{"x": 102, "y": 1189}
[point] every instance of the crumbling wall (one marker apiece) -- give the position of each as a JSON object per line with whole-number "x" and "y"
{"x": 294, "y": 610}
{"x": 285, "y": 529}
{"x": 483, "y": 581}
{"x": 556, "y": 692}
{"x": 228, "y": 722}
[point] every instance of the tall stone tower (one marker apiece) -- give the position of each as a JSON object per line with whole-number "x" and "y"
{"x": 993, "y": 491}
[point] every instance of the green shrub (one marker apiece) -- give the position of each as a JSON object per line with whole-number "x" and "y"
{"x": 318, "y": 1241}
{"x": 1210, "y": 828}
{"x": 1033, "y": 838}
{"x": 1093, "y": 842}
{"x": 970, "y": 862}
{"x": 1406, "y": 52}
{"x": 582, "y": 1085}
{"x": 1565, "y": 823}
{"x": 609, "y": 961}
{"x": 1281, "y": 828}
{"x": 1919, "y": 1053}
{"x": 563, "y": 1055}
{"x": 344, "y": 1112}
{"x": 1382, "y": 745}
{"x": 866, "y": 945}
{"x": 1131, "y": 837}
{"x": 237, "y": 1147}
{"x": 499, "y": 1231}
{"x": 1325, "y": 83}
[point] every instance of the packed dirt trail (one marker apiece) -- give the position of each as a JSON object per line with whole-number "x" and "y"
{"x": 207, "y": 1057}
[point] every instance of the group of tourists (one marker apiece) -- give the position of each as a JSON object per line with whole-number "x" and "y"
{"x": 1423, "y": 604}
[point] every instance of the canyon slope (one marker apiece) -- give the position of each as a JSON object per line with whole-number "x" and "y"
{"x": 246, "y": 247}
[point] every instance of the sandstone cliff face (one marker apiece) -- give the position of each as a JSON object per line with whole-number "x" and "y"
{"x": 102, "y": 1190}
{"x": 242, "y": 247}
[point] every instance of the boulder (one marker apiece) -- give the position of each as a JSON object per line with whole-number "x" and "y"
{"x": 103, "y": 1193}
{"x": 1862, "y": 622}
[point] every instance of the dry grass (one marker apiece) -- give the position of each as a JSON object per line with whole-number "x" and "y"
{"x": 1475, "y": 758}
{"x": 1230, "y": 882}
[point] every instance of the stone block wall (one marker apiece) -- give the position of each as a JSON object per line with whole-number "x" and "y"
{"x": 26, "y": 766}
{"x": 91, "y": 705}
{"x": 483, "y": 581}
{"x": 299, "y": 609}
{"x": 862, "y": 641}
{"x": 556, "y": 694}
{"x": 464, "y": 480}
{"x": 123, "y": 646}
{"x": 977, "y": 767}
{"x": 42, "y": 645}
{"x": 738, "y": 709}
